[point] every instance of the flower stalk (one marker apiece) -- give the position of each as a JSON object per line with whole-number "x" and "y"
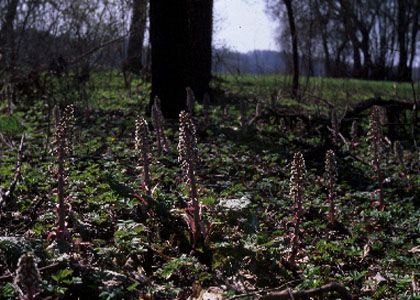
{"x": 27, "y": 279}
{"x": 376, "y": 152}
{"x": 142, "y": 146}
{"x": 330, "y": 180}
{"x": 188, "y": 157}
{"x": 297, "y": 176}
{"x": 63, "y": 147}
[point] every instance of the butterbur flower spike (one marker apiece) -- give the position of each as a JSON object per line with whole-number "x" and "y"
{"x": 297, "y": 177}
{"x": 27, "y": 279}
{"x": 376, "y": 152}
{"x": 187, "y": 146}
{"x": 63, "y": 145}
{"x": 188, "y": 157}
{"x": 330, "y": 180}
{"x": 68, "y": 123}
{"x": 142, "y": 146}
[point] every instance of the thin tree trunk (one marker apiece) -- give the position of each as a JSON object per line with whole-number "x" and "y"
{"x": 367, "y": 65}
{"x": 402, "y": 28}
{"x": 357, "y": 63}
{"x": 414, "y": 32}
{"x": 137, "y": 32}
{"x": 133, "y": 62}
{"x": 327, "y": 56}
{"x": 7, "y": 32}
{"x": 294, "y": 38}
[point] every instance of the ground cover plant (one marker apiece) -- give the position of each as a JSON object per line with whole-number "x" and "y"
{"x": 245, "y": 198}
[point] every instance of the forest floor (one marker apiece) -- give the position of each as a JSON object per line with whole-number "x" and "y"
{"x": 121, "y": 250}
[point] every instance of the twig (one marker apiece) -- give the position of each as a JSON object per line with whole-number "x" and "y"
{"x": 307, "y": 294}
{"x": 266, "y": 291}
{"x": 94, "y": 49}
{"x": 3, "y": 139}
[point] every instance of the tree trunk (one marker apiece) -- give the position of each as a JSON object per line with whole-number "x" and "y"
{"x": 367, "y": 63}
{"x": 414, "y": 32}
{"x": 168, "y": 35}
{"x": 339, "y": 69}
{"x": 327, "y": 58}
{"x": 357, "y": 63}
{"x": 293, "y": 35}
{"x": 180, "y": 34}
{"x": 402, "y": 29}
{"x": 7, "y": 33}
{"x": 323, "y": 27}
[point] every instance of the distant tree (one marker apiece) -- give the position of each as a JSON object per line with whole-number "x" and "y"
{"x": 407, "y": 18}
{"x": 356, "y": 38}
{"x": 133, "y": 62}
{"x": 180, "y": 34}
{"x": 276, "y": 10}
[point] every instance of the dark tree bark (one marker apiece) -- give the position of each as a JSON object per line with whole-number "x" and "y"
{"x": 180, "y": 34}
{"x": 357, "y": 62}
{"x": 201, "y": 30}
{"x": 402, "y": 29}
{"x": 168, "y": 36}
{"x": 367, "y": 65}
{"x": 294, "y": 38}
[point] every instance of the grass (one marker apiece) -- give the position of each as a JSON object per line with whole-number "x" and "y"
{"x": 333, "y": 89}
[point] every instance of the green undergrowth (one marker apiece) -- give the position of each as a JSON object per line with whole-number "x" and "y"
{"x": 123, "y": 251}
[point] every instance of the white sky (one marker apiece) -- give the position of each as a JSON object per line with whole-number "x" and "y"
{"x": 243, "y": 25}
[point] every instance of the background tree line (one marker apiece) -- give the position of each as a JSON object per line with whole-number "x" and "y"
{"x": 171, "y": 42}
{"x": 63, "y": 38}
{"x": 354, "y": 38}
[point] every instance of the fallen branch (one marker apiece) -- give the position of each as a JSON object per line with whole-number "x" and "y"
{"x": 377, "y": 101}
{"x": 266, "y": 291}
{"x": 293, "y": 113}
{"x": 307, "y": 294}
